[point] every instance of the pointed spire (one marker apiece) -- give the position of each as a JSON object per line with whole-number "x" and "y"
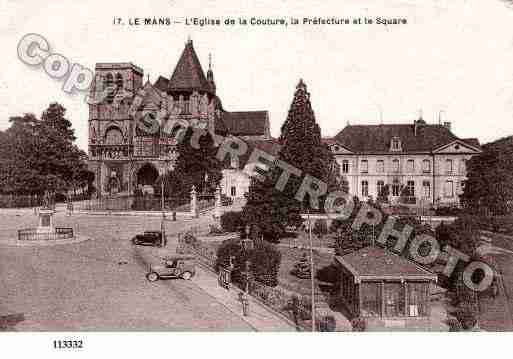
{"x": 210, "y": 61}
{"x": 301, "y": 85}
{"x": 188, "y": 74}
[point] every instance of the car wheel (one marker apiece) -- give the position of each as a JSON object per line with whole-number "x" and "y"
{"x": 152, "y": 276}
{"x": 135, "y": 242}
{"x": 187, "y": 275}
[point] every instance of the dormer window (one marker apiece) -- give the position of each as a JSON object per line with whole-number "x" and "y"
{"x": 395, "y": 144}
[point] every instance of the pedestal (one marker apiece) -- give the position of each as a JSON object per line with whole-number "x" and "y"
{"x": 194, "y": 202}
{"x": 45, "y": 224}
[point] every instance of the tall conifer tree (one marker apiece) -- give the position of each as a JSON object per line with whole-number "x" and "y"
{"x": 270, "y": 209}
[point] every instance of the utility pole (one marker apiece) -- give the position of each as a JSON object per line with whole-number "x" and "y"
{"x": 312, "y": 276}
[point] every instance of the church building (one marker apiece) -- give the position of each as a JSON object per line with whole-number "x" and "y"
{"x": 123, "y": 157}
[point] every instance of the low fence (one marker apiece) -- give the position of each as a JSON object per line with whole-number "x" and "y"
{"x": 11, "y": 201}
{"x": 31, "y": 234}
{"x": 133, "y": 203}
{"x": 294, "y": 307}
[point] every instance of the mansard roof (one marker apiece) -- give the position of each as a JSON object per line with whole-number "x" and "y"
{"x": 377, "y": 138}
{"x": 246, "y": 123}
{"x": 188, "y": 74}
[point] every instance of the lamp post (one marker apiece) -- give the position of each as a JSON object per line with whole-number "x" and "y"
{"x": 312, "y": 279}
{"x": 170, "y": 163}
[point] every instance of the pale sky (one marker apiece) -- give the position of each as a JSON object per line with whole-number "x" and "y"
{"x": 455, "y": 56}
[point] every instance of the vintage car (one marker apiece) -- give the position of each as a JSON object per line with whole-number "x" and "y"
{"x": 149, "y": 238}
{"x": 176, "y": 266}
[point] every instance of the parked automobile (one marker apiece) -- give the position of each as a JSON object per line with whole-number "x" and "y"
{"x": 149, "y": 238}
{"x": 176, "y": 266}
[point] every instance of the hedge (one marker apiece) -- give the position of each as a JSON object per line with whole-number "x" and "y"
{"x": 231, "y": 221}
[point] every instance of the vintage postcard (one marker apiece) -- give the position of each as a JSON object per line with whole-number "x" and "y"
{"x": 268, "y": 166}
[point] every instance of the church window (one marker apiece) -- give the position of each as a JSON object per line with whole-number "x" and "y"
{"x": 113, "y": 136}
{"x": 233, "y": 191}
{"x": 107, "y": 86}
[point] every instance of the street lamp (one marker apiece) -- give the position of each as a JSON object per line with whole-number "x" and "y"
{"x": 170, "y": 162}
{"x": 312, "y": 279}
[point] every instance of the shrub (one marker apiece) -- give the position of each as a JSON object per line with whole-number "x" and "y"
{"x": 359, "y": 324}
{"x": 329, "y": 274}
{"x": 466, "y": 317}
{"x": 215, "y": 230}
{"x": 232, "y": 248}
{"x": 448, "y": 211}
{"x": 231, "y": 221}
{"x": 454, "y": 325}
{"x": 265, "y": 263}
{"x": 302, "y": 268}
{"x": 327, "y": 323}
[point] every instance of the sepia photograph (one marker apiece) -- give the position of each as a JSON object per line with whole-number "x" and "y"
{"x": 335, "y": 170}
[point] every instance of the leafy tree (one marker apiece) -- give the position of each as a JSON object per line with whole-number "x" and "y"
{"x": 265, "y": 263}
{"x": 196, "y": 165}
{"x": 489, "y": 187}
{"x": 39, "y": 155}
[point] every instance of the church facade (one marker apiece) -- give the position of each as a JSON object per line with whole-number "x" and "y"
{"x": 122, "y": 156}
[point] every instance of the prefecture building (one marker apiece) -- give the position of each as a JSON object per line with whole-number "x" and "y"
{"x": 418, "y": 163}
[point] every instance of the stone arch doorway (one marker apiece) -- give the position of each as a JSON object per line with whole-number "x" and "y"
{"x": 146, "y": 177}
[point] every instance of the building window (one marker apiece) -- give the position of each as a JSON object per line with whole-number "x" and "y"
{"x": 345, "y": 166}
{"x": 394, "y": 299}
{"x": 410, "y": 166}
{"x": 448, "y": 165}
{"x": 396, "y": 188}
{"x": 233, "y": 191}
{"x": 463, "y": 166}
{"x": 380, "y": 187}
{"x": 426, "y": 188}
{"x": 449, "y": 189}
{"x": 395, "y": 165}
{"x": 395, "y": 144}
{"x": 380, "y": 166}
{"x": 371, "y": 299}
{"x": 426, "y": 166}
{"x": 108, "y": 86}
{"x": 365, "y": 188}
{"x": 365, "y": 166}
{"x": 410, "y": 188}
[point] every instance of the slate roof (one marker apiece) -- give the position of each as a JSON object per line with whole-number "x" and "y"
{"x": 188, "y": 74}
{"x": 245, "y": 123}
{"x": 378, "y": 263}
{"x": 377, "y": 138}
{"x": 162, "y": 84}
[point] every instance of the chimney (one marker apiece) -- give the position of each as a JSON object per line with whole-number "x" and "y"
{"x": 418, "y": 123}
